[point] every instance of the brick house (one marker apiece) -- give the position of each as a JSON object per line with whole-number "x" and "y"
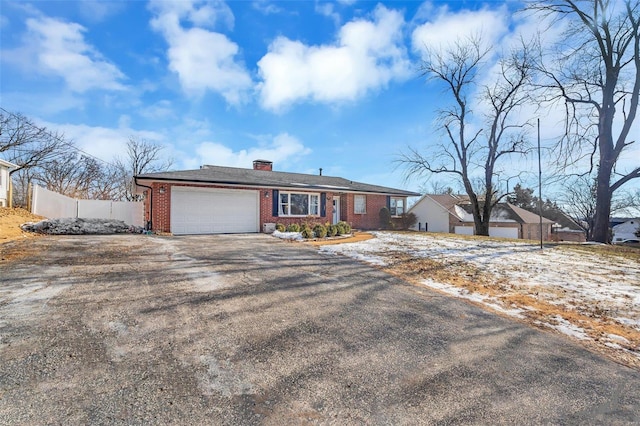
{"x": 215, "y": 199}
{"x": 451, "y": 213}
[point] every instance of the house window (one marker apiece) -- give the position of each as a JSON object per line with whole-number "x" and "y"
{"x": 298, "y": 204}
{"x": 397, "y": 206}
{"x": 360, "y": 204}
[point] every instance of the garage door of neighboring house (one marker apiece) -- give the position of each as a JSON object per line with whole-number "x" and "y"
{"x": 213, "y": 211}
{"x": 496, "y": 231}
{"x": 464, "y": 230}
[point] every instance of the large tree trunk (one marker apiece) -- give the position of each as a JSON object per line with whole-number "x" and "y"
{"x": 606, "y": 161}
{"x": 600, "y": 232}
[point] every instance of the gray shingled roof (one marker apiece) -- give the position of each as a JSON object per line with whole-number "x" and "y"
{"x": 265, "y": 178}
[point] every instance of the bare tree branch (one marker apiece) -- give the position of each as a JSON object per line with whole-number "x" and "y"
{"x": 467, "y": 152}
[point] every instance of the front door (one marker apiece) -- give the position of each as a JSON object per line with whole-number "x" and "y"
{"x": 336, "y": 210}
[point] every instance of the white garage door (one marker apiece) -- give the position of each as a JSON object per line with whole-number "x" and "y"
{"x": 464, "y": 230}
{"x": 213, "y": 211}
{"x": 503, "y": 232}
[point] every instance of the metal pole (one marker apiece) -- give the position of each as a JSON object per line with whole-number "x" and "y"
{"x": 539, "y": 184}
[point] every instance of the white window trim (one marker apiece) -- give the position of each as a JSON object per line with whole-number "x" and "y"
{"x": 309, "y": 194}
{"x": 404, "y": 206}
{"x": 355, "y": 205}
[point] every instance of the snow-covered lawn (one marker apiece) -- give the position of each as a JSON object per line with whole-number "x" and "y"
{"x": 594, "y": 297}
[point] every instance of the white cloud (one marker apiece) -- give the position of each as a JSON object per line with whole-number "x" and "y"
{"x": 54, "y": 47}
{"x": 266, "y": 7}
{"x": 367, "y": 55}
{"x": 102, "y": 142}
{"x": 445, "y": 27}
{"x": 159, "y": 110}
{"x": 280, "y": 149}
{"x": 202, "y": 59}
{"x": 326, "y": 9}
{"x": 98, "y": 10}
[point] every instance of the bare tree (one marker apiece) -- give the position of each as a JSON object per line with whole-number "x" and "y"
{"x": 469, "y": 154}
{"x": 597, "y": 75}
{"x": 437, "y": 187}
{"x": 580, "y": 201}
{"x": 76, "y": 176}
{"x": 142, "y": 157}
{"x": 29, "y": 146}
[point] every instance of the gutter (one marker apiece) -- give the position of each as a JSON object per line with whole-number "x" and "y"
{"x": 280, "y": 185}
{"x": 149, "y": 224}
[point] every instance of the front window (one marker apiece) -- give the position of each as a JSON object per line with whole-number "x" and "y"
{"x": 397, "y": 206}
{"x": 298, "y": 204}
{"x": 360, "y": 204}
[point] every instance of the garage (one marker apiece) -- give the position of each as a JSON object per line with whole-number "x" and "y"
{"x": 464, "y": 230}
{"x": 494, "y": 231}
{"x": 503, "y": 232}
{"x": 213, "y": 211}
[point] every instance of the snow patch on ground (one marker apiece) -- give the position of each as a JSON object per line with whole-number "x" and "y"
{"x": 291, "y": 236}
{"x": 463, "y": 293}
{"x": 78, "y": 226}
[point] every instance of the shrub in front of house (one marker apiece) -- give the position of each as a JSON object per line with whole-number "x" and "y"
{"x": 294, "y": 227}
{"x": 343, "y": 228}
{"x": 332, "y": 230}
{"x": 407, "y": 220}
{"x": 306, "y": 232}
{"x": 320, "y": 231}
{"x": 385, "y": 218}
{"x": 280, "y": 227}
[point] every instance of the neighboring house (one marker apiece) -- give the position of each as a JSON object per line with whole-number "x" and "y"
{"x": 5, "y": 168}
{"x": 565, "y": 228}
{"x": 626, "y": 231}
{"x": 451, "y": 213}
{"x": 216, "y": 199}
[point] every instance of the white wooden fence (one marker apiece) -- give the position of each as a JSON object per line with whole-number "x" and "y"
{"x": 55, "y": 206}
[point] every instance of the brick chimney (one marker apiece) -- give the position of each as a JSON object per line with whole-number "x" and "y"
{"x": 263, "y": 165}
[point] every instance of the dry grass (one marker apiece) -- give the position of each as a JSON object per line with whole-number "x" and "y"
{"x": 10, "y": 221}
{"x": 356, "y": 237}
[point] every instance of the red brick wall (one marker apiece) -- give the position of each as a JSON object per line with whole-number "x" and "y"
{"x": 369, "y": 220}
{"x": 266, "y": 211}
{"x": 531, "y": 231}
{"x": 161, "y": 207}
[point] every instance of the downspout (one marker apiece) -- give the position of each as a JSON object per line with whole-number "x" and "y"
{"x": 149, "y": 223}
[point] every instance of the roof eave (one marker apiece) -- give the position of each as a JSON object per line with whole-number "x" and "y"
{"x": 275, "y": 186}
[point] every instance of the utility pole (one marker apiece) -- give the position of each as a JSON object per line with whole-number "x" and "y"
{"x": 539, "y": 184}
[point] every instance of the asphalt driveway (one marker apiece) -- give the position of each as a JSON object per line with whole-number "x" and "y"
{"x": 252, "y": 330}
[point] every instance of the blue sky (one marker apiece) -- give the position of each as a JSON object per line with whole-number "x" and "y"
{"x": 305, "y": 84}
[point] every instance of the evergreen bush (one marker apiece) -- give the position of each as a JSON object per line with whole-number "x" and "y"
{"x": 320, "y": 231}
{"x": 306, "y": 232}
{"x": 385, "y": 218}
